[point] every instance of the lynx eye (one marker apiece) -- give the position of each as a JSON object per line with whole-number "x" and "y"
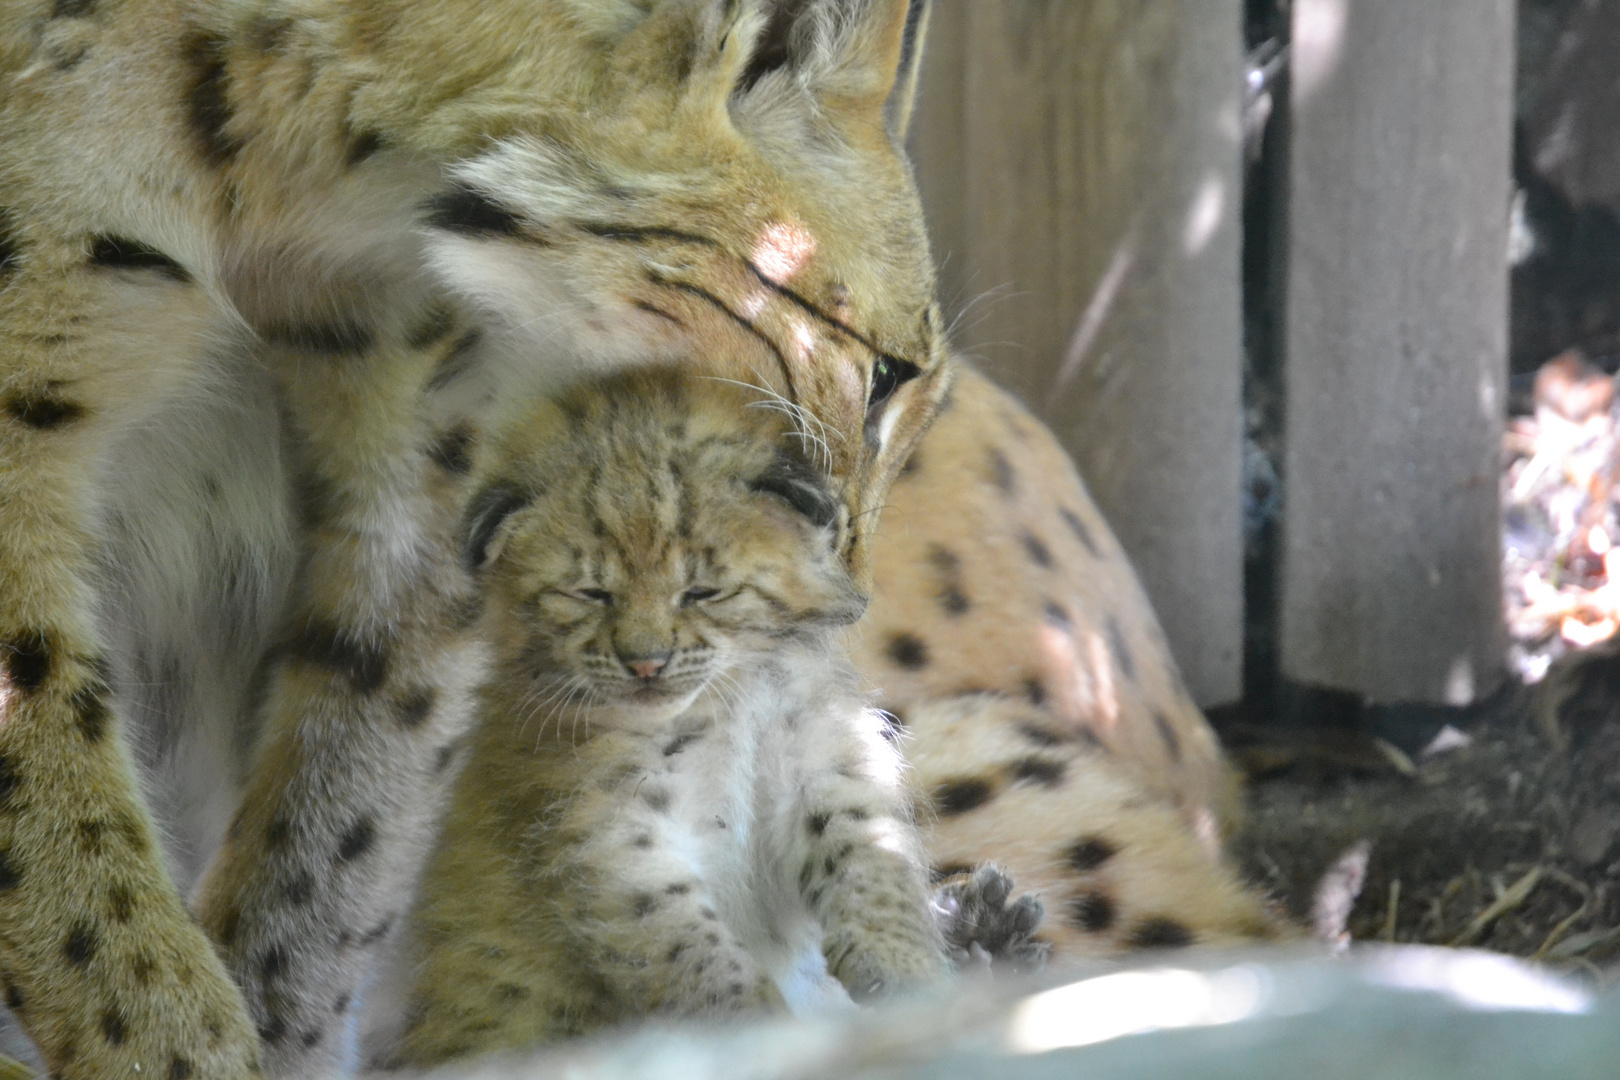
{"x": 697, "y": 596}
{"x": 596, "y": 596}
{"x": 888, "y": 375}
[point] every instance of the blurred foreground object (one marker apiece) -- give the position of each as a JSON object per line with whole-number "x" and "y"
{"x": 1393, "y": 1013}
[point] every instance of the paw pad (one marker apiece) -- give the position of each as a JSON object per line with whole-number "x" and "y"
{"x": 982, "y": 930}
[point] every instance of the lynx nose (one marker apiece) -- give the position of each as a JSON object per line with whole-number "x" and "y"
{"x": 646, "y": 668}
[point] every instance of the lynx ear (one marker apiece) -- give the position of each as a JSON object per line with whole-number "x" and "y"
{"x": 801, "y": 487}
{"x": 904, "y": 95}
{"x": 487, "y": 512}
{"x": 857, "y": 56}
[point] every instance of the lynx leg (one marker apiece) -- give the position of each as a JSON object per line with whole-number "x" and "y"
{"x": 97, "y": 954}
{"x": 365, "y": 700}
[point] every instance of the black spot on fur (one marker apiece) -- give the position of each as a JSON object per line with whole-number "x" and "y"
{"x": 1043, "y": 771}
{"x": 1081, "y": 531}
{"x": 363, "y": 661}
{"x": 1122, "y": 648}
{"x": 442, "y": 760}
{"x": 908, "y": 651}
{"x": 80, "y": 945}
{"x": 357, "y": 839}
{"x": 113, "y": 1027}
{"x": 272, "y": 963}
{"x": 208, "y": 109}
{"x": 14, "y": 997}
{"x": 90, "y": 706}
{"x": 1159, "y": 933}
{"x": 451, "y": 451}
{"x": 1038, "y": 552}
{"x": 488, "y": 510}
{"x": 415, "y": 707}
{"x": 959, "y": 796}
{"x": 181, "y": 1069}
{"x": 818, "y": 823}
{"x": 644, "y": 904}
{"x": 301, "y": 888}
{"x": 679, "y": 743}
{"x": 338, "y": 338}
{"x": 657, "y": 798}
{"x": 1039, "y": 736}
{"x": 643, "y": 842}
{"x": 1092, "y": 912}
{"x": 8, "y": 780}
{"x": 1002, "y": 474}
{"x": 467, "y": 211}
{"x": 27, "y": 660}
{"x": 1055, "y": 614}
{"x": 361, "y": 147}
{"x": 121, "y": 253}
{"x": 311, "y": 1038}
{"x": 72, "y": 9}
{"x": 1172, "y": 743}
{"x": 274, "y": 1030}
{"x": 378, "y": 932}
{"x": 120, "y": 903}
{"x": 680, "y": 888}
{"x": 10, "y": 873}
{"x": 1088, "y": 853}
{"x": 1034, "y": 690}
{"x": 341, "y": 1005}
{"x": 44, "y": 411}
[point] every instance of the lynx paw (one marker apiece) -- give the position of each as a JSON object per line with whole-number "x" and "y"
{"x": 982, "y": 930}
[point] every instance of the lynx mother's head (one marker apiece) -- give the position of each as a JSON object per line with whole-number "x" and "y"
{"x": 726, "y": 192}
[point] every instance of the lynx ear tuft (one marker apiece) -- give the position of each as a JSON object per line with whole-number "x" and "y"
{"x": 487, "y": 512}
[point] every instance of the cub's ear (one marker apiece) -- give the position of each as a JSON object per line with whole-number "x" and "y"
{"x": 486, "y": 513}
{"x": 858, "y": 56}
{"x": 801, "y": 487}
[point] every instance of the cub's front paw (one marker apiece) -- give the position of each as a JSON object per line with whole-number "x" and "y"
{"x": 982, "y": 930}
{"x": 872, "y": 970}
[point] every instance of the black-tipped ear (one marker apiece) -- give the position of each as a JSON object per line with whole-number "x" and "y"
{"x": 861, "y": 54}
{"x": 898, "y": 109}
{"x": 486, "y": 513}
{"x": 801, "y": 487}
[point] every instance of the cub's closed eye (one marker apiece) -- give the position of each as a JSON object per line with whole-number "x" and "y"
{"x": 596, "y": 596}
{"x": 698, "y": 595}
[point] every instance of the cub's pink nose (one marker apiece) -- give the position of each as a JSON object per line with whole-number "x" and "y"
{"x": 646, "y": 667}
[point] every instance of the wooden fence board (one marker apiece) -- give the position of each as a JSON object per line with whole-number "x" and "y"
{"x": 1396, "y": 346}
{"x": 1083, "y": 159}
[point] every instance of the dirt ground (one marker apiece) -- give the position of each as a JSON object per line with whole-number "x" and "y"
{"x": 1509, "y": 840}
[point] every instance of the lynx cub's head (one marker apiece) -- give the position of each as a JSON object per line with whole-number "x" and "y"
{"x": 645, "y": 534}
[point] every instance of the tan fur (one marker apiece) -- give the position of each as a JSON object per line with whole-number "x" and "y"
{"x": 622, "y": 845}
{"x": 1009, "y": 636}
{"x": 397, "y": 209}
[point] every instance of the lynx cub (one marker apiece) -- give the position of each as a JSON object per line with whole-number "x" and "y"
{"x": 677, "y": 796}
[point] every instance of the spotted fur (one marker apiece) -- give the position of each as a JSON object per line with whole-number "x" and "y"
{"x": 1030, "y": 688}
{"x": 677, "y": 800}
{"x": 260, "y": 260}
